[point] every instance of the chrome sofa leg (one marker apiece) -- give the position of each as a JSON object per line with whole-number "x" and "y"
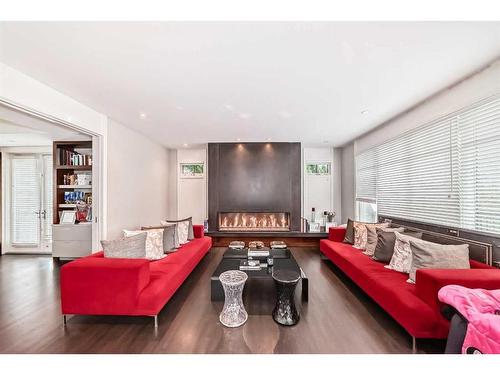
{"x": 414, "y": 345}
{"x": 156, "y": 320}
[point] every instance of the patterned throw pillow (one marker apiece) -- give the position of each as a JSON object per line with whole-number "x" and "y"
{"x": 129, "y": 247}
{"x": 401, "y": 258}
{"x": 154, "y": 242}
{"x": 170, "y": 239}
{"x": 361, "y": 233}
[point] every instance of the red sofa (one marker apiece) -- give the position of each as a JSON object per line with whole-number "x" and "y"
{"x": 95, "y": 285}
{"x": 414, "y": 306}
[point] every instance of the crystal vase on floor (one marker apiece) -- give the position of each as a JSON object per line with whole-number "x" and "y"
{"x": 233, "y": 314}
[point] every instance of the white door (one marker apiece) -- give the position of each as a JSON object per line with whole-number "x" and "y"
{"x": 30, "y": 206}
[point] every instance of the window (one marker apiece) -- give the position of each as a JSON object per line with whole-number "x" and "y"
{"x": 445, "y": 172}
{"x": 192, "y": 170}
{"x": 318, "y": 168}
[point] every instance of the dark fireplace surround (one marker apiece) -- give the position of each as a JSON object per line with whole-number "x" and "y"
{"x": 254, "y": 187}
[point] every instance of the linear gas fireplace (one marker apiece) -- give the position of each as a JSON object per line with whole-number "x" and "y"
{"x": 254, "y": 221}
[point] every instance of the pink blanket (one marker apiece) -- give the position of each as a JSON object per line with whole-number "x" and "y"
{"x": 481, "y": 308}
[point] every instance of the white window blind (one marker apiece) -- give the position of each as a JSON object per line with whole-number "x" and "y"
{"x": 25, "y": 179}
{"x": 444, "y": 172}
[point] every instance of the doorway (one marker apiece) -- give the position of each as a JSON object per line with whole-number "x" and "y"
{"x": 28, "y": 208}
{"x": 33, "y": 194}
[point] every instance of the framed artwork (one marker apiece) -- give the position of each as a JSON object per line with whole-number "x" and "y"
{"x": 68, "y": 217}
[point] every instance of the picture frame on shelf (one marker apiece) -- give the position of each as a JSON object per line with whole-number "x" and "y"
{"x": 68, "y": 217}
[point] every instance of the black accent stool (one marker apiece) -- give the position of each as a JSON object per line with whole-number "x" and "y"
{"x": 285, "y": 311}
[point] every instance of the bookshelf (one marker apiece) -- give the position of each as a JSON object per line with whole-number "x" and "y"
{"x": 72, "y": 163}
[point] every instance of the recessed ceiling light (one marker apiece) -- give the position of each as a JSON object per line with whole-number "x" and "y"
{"x": 143, "y": 115}
{"x": 245, "y": 115}
{"x": 268, "y": 139}
{"x": 229, "y": 107}
{"x": 364, "y": 111}
{"x": 185, "y": 144}
{"x": 238, "y": 139}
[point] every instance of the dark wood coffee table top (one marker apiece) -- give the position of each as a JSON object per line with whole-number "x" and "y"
{"x": 282, "y": 258}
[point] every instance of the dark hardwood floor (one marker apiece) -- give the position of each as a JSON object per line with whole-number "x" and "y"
{"x": 339, "y": 317}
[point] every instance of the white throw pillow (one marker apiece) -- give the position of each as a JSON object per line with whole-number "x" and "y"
{"x": 182, "y": 230}
{"x": 401, "y": 258}
{"x": 154, "y": 242}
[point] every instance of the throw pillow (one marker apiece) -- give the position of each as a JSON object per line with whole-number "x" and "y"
{"x": 185, "y": 231}
{"x": 361, "y": 233}
{"x": 401, "y": 258}
{"x": 349, "y": 232}
{"x": 154, "y": 242}
{"x": 426, "y": 254}
{"x": 371, "y": 240}
{"x": 170, "y": 240}
{"x": 384, "y": 249}
{"x": 128, "y": 247}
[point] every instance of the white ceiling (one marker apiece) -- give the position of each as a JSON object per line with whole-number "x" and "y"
{"x": 20, "y": 130}
{"x": 203, "y": 82}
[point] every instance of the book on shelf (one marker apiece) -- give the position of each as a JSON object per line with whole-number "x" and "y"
{"x": 67, "y": 157}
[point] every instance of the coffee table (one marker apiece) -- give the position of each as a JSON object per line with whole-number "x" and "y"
{"x": 283, "y": 260}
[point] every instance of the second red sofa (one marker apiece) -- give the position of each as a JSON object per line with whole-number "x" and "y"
{"x": 414, "y": 306}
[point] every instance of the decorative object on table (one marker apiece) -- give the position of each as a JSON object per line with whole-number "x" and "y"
{"x": 313, "y": 215}
{"x": 285, "y": 312}
{"x": 314, "y": 227}
{"x": 270, "y": 260}
{"x": 250, "y": 265}
{"x": 233, "y": 313}
{"x": 255, "y": 244}
{"x": 68, "y": 217}
{"x": 257, "y": 254}
{"x": 330, "y": 215}
{"x": 278, "y": 245}
{"x": 237, "y": 245}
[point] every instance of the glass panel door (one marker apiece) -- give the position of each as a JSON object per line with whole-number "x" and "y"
{"x": 31, "y": 202}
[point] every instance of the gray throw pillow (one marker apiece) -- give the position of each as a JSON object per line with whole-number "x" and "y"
{"x": 170, "y": 239}
{"x": 426, "y": 254}
{"x": 190, "y": 232}
{"x": 385, "y": 243}
{"x": 349, "y": 232}
{"x": 128, "y": 247}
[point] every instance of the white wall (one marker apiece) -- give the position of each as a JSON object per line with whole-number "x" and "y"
{"x": 18, "y": 89}
{"x": 321, "y": 192}
{"x": 192, "y": 192}
{"x": 137, "y": 180}
{"x": 348, "y": 182}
